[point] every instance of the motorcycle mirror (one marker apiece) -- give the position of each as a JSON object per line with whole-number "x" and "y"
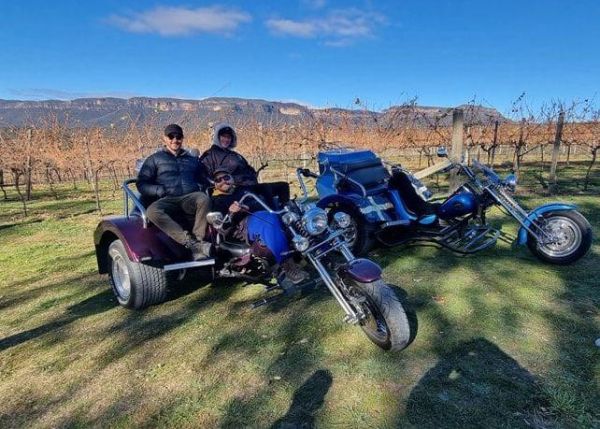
{"x": 215, "y": 218}
{"x": 442, "y": 152}
{"x": 511, "y": 182}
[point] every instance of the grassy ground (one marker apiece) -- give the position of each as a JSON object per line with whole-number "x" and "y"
{"x": 503, "y": 340}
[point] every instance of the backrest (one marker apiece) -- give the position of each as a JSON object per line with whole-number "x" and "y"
{"x": 362, "y": 166}
{"x": 370, "y": 173}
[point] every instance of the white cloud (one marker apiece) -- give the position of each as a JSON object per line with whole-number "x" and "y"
{"x": 338, "y": 28}
{"x": 178, "y": 21}
{"x": 293, "y": 28}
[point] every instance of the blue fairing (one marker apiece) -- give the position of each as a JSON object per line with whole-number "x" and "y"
{"x": 268, "y": 228}
{"x": 535, "y": 213}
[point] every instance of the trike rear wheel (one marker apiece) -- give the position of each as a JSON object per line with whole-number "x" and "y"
{"x": 135, "y": 285}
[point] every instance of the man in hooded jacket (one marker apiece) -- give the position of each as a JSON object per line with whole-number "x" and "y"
{"x": 221, "y": 155}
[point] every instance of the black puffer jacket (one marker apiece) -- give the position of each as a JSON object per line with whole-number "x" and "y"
{"x": 164, "y": 174}
{"x": 236, "y": 164}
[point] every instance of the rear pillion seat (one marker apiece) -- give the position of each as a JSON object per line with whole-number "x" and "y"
{"x": 370, "y": 173}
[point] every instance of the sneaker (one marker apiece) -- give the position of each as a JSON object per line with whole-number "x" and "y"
{"x": 199, "y": 249}
{"x": 293, "y": 272}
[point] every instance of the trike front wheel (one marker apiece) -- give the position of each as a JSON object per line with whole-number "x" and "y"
{"x": 568, "y": 235}
{"x": 386, "y": 323}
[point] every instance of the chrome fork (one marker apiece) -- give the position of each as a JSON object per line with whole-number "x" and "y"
{"x": 516, "y": 211}
{"x": 352, "y": 316}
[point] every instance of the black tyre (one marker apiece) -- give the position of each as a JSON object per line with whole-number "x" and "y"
{"x": 572, "y": 235}
{"x": 135, "y": 285}
{"x": 386, "y": 324}
{"x": 358, "y": 235}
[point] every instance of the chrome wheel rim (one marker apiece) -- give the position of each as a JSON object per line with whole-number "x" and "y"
{"x": 563, "y": 237}
{"x": 120, "y": 276}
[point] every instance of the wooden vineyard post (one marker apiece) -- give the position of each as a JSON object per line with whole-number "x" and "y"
{"x": 557, "y": 139}
{"x": 457, "y": 153}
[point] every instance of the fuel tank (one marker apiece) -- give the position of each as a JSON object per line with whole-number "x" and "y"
{"x": 459, "y": 204}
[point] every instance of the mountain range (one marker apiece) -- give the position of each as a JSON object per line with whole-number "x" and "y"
{"x": 119, "y": 113}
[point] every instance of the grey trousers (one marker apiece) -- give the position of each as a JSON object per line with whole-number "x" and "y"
{"x": 194, "y": 206}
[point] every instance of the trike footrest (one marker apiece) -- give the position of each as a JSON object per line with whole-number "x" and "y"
{"x": 470, "y": 240}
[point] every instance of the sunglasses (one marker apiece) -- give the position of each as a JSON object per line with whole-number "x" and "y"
{"x": 175, "y": 136}
{"x": 226, "y": 177}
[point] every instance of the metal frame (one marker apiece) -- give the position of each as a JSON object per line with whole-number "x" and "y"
{"x": 129, "y": 194}
{"x": 339, "y": 173}
{"x": 493, "y": 186}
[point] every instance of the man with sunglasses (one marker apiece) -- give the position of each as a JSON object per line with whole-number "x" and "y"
{"x": 223, "y": 154}
{"x": 174, "y": 179}
{"x": 252, "y": 224}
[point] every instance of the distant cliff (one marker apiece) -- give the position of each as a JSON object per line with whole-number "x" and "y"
{"x": 117, "y": 112}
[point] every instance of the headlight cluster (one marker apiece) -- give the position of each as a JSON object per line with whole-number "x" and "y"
{"x": 289, "y": 218}
{"x": 314, "y": 221}
{"x": 342, "y": 219}
{"x": 300, "y": 243}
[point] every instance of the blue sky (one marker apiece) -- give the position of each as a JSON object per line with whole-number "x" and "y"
{"x": 318, "y": 52}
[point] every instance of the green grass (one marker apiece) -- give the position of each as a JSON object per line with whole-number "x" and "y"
{"x": 503, "y": 340}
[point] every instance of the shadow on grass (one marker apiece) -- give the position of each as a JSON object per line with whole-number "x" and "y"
{"x": 141, "y": 326}
{"x": 475, "y": 385}
{"x": 306, "y": 402}
{"x": 21, "y": 292}
{"x": 96, "y": 304}
{"x": 568, "y": 387}
{"x": 16, "y": 224}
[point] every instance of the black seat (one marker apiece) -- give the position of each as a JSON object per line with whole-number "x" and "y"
{"x": 237, "y": 249}
{"x": 413, "y": 201}
{"x": 370, "y": 173}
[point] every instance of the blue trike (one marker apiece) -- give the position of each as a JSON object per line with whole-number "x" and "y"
{"x": 389, "y": 206}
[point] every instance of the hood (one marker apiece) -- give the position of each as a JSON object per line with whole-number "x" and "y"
{"x": 216, "y": 130}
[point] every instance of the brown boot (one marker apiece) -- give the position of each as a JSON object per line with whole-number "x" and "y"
{"x": 199, "y": 249}
{"x": 293, "y": 272}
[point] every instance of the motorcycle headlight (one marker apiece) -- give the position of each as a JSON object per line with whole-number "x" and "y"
{"x": 300, "y": 243}
{"x": 342, "y": 219}
{"x": 289, "y": 217}
{"x": 314, "y": 221}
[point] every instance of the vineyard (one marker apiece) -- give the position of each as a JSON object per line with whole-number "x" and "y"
{"x": 52, "y": 154}
{"x": 503, "y": 340}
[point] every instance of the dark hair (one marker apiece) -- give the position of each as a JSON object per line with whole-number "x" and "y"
{"x": 225, "y": 130}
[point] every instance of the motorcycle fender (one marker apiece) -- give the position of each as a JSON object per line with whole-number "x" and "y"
{"x": 361, "y": 270}
{"x": 148, "y": 245}
{"x": 537, "y": 212}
